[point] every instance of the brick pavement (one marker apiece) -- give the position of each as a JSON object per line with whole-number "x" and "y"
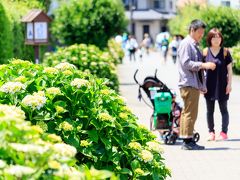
{"x": 220, "y": 160}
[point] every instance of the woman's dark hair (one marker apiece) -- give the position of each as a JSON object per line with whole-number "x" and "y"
{"x": 196, "y": 24}
{"x": 213, "y": 33}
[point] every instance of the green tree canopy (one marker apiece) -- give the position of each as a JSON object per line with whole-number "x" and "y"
{"x": 225, "y": 19}
{"x": 88, "y": 21}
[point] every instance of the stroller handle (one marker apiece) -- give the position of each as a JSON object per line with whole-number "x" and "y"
{"x": 134, "y": 77}
{"x": 155, "y": 73}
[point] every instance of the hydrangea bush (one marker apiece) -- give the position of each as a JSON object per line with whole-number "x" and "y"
{"x": 236, "y": 57}
{"x": 116, "y": 51}
{"x": 87, "y": 58}
{"x": 86, "y": 114}
{"x": 26, "y": 152}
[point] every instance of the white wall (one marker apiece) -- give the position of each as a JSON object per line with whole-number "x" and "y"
{"x": 142, "y": 4}
{"x": 233, "y": 3}
{"x": 154, "y": 28}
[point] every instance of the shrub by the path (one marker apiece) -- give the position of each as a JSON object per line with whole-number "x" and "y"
{"x": 86, "y": 114}
{"x": 88, "y": 58}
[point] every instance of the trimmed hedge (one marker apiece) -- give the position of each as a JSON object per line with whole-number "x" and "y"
{"x": 5, "y": 35}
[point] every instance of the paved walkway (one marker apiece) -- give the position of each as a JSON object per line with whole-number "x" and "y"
{"x": 220, "y": 160}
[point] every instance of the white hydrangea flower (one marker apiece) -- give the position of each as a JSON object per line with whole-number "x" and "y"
{"x": 19, "y": 171}
{"x": 65, "y": 66}
{"x": 12, "y": 87}
{"x": 65, "y": 149}
{"x": 2, "y": 164}
{"x": 11, "y": 112}
{"x": 30, "y": 148}
{"x": 34, "y": 101}
{"x": 77, "y": 82}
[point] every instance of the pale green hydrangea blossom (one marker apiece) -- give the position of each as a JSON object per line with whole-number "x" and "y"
{"x": 50, "y": 70}
{"x": 65, "y": 149}
{"x": 146, "y": 156}
{"x": 53, "y": 91}
{"x": 43, "y": 125}
{"x": 66, "y": 126}
{"x": 60, "y": 109}
{"x": 135, "y": 145}
{"x": 139, "y": 171}
{"x": 105, "y": 117}
{"x": 65, "y": 66}
{"x": 54, "y": 138}
{"x": 21, "y": 62}
{"x": 154, "y": 146}
{"x": 20, "y": 79}
{"x": 12, "y": 87}
{"x": 84, "y": 143}
{"x": 3, "y": 66}
{"x": 67, "y": 72}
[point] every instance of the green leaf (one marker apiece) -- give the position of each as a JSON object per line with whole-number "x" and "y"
{"x": 126, "y": 171}
{"x": 93, "y": 135}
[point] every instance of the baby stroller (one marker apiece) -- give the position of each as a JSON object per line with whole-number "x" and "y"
{"x": 166, "y": 111}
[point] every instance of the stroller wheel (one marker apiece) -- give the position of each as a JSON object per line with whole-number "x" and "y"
{"x": 196, "y": 137}
{"x": 170, "y": 138}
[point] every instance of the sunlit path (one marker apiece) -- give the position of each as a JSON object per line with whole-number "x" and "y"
{"x": 220, "y": 160}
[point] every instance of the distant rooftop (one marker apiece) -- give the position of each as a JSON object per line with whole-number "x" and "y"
{"x": 148, "y": 14}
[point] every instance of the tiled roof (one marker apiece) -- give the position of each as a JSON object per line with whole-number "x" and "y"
{"x": 33, "y": 14}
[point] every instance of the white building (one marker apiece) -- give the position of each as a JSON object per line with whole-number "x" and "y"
{"x": 235, "y": 4}
{"x": 149, "y": 16}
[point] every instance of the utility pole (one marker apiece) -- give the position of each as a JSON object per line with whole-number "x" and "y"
{"x": 131, "y": 9}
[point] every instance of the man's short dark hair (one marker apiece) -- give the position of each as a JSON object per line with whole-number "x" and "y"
{"x": 196, "y": 24}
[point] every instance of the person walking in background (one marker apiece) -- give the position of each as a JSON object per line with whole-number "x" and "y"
{"x": 146, "y": 43}
{"x": 164, "y": 47}
{"x": 174, "y": 46}
{"x": 219, "y": 82}
{"x": 191, "y": 81}
{"x": 131, "y": 46}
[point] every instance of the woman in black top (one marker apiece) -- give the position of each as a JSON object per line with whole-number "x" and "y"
{"x": 218, "y": 82}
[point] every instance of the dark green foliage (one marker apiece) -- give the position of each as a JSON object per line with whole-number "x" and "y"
{"x": 88, "y": 21}
{"x": 226, "y": 20}
{"x": 6, "y": 48}
{"x": 13, "y": 32}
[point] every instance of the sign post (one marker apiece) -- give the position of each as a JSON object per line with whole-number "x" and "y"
{"x": 37, "y": 32}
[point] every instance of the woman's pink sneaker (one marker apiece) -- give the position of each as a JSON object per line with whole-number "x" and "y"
{"x": 211, "y": 136}
{"x": 222, "y": 137}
